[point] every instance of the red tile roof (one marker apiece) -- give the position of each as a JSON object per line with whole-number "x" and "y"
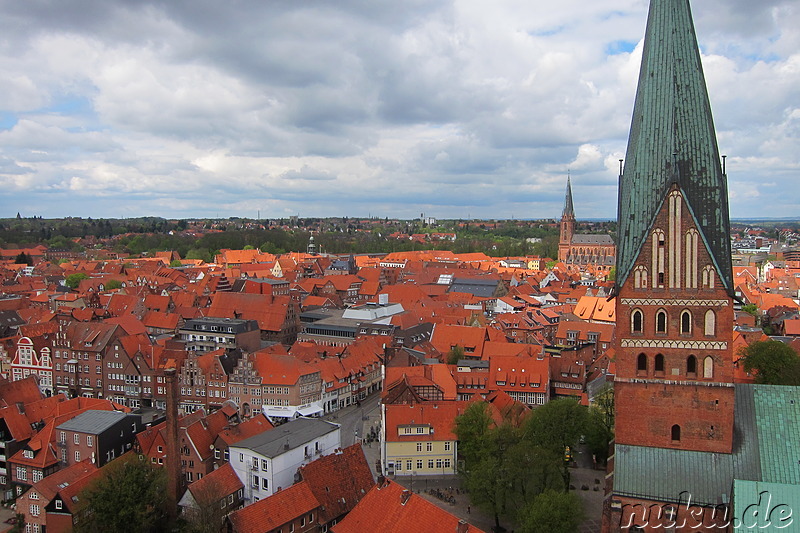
{"x": 338, "y": 493}
{"x": 389, "y": 508}
{"x": 275, "y": 511}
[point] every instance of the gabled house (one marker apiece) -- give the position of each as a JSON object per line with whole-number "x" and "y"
{"x": 213, "y": 497}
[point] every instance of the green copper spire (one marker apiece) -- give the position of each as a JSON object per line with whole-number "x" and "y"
{"x": 672, "y": 140}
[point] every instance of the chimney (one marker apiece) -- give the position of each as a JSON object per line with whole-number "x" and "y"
{"x": 381, "y": 480}
{"x": 173, "y": 464}
{"x": 404, "y": 496}
{"x": 462, "y": 526}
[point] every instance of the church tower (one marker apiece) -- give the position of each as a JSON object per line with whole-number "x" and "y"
{"x": 674, "y": 383}
{"x": 567, "y": 226}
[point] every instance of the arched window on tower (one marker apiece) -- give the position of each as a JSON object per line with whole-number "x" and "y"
{"x": 676, "y": 433}
{"x": 640, "y": 277}
{"x": 710, "y": 323}
{"x": 686, "y": 322}
{"x": 641, "y": 363}
{"x": 708, "y": 277}
{"x": 659, "y": 259}
{"x": 708, "y": 367}
{"x": 661, "y": 321}
{"x": 637, "y": 321}
{"x": 659, "y": 365}
{"x": 692, "y": 241}
{"x": 691, "y": 366}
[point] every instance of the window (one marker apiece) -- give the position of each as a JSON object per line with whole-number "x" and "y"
{"x": 661, "y": 321}
{"x": 430, "y": 463}
{"x": 420, "y": 431}
{"x": 691, "y": 365}
{"x": 222, "y": 503}
{"x": 429, "y": 447}
{"x": 76, "y": 438}
{"x": 419, "y": 446}
{"x": 90, "y": 440}
{"x": 447, "y": 445}
{"x": 264, "y": 465}
{"x": 659, "y": 366}
{"x": 59, "y": 504}
{"x": 708, "y": 367}
{"x": 255, "y": 482}
{"x": 676, "y": 433}
{"x": 77, "y": 456}
{"x": 37, "y": 475}
{"x": 408, "y": 464}
{"x": 641, "y": 363}
{"x": 264, "y": 483}
{"x": 399, "y": 466}
{"x": 686, "y": 323}
{"x": 34, "y": 509}
{"x": 419, "y": 464}
{"x": 710, "y": 323}
{"x": 22, "y": 473}
{"x": 637, "y": 321}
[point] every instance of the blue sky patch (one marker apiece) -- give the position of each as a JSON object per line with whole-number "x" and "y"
{"x": 620, "y": 47}
{"x": 7, "y": 120}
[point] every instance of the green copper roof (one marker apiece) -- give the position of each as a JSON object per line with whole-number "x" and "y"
{"x": 672, "y": 140}
{"x": 765, "y": 506}
{"x": 777, "y": 415}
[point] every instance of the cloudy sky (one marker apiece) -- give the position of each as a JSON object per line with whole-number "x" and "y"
{"x": 454, "y": 108}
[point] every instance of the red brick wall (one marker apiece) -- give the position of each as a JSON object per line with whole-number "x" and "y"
{"x": 649, "y": 403}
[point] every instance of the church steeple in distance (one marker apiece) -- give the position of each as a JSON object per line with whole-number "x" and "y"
{"x": 672, "y": 144}
{"x": 568, "y": 209}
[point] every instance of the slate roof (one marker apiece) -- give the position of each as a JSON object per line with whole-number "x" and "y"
{"x": 92, "y": 421}
{"x": 672, "y": 139}
{"x": 296, "y": 433}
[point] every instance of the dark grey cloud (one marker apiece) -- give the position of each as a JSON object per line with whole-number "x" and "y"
{"x": 192, "y": 108}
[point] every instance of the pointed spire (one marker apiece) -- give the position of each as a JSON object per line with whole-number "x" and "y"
{"x": 568, "y": 210}
{"x": 672, "y": 140}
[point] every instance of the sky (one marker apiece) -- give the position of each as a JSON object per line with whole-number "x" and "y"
{"x": 451, "y": 108}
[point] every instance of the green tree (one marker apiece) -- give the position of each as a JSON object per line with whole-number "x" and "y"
{"x": 455, "y": 353}
{"x": 556, "y": 425}
{"x": 552, "y": 512}
{"x": 175, "y": 263}
{"x": 113, "y": 284}
{"x": 751, "y": 309}
{"x": 129, "y": 496}
{"x": 23, "y": 259}
{"x": 600, "y": 424}
{"x": 771, "y": 362}
{"x": 73, "y": 280}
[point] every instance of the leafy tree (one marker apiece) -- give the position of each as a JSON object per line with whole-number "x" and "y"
{"x": 73, "y": 280}
{"x": 556, "y": 425}
{"x": 113, "y": 284}
{"x": 455, "y": 353}
{"x": 502, "y": 470}
{"x": 751, "y": 309}
{"x": 129, "y": 496}
{"x": 612, "y": 274}
{"x": 199, "y": 253}
{"x": 552, "y": 512}
{"x": 175, "y": 263}
{"x": 772, "y": 362}
{"x": 600, "y": 424}
{"x": 23, "y": 259}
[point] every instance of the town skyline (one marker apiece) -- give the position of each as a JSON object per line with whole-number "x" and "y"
{"x": 437, "y": 108}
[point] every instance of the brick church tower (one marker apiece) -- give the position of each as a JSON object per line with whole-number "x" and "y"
{"x": 567, "y": 226}
{"x": 674, "y": 383}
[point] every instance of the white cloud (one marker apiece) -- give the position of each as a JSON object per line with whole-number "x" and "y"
{"x": 451, "y": 106}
